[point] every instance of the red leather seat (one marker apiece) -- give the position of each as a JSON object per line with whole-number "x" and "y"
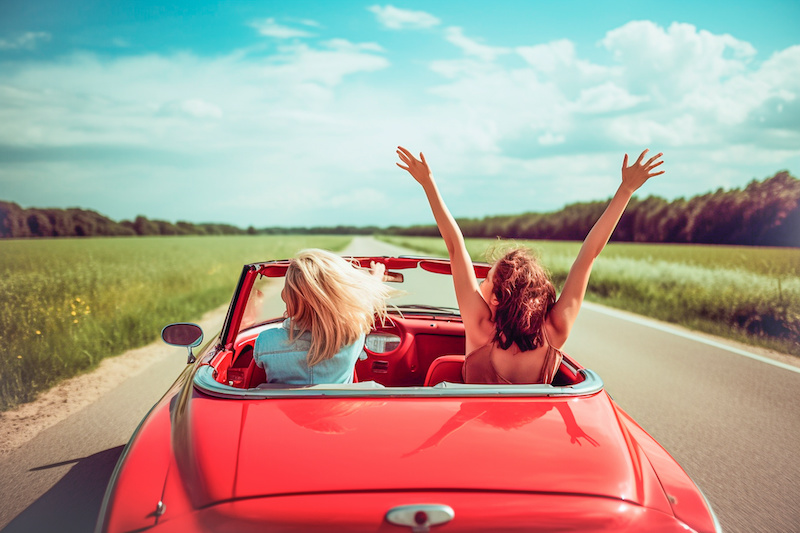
{"x": 258, "y": 377}
{"x": 445, "y": 368}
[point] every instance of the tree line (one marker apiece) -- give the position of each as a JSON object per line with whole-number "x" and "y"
{"x": 764, "y": 213}
{"x": 16, "y": 222}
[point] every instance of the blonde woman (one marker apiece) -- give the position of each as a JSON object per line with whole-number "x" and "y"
{"x": 330, "y": 307}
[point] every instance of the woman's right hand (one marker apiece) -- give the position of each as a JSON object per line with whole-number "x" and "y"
{"x": 418, "y": 168}
{"x": 475, "y": 313}
{"x": 637, "y": 174}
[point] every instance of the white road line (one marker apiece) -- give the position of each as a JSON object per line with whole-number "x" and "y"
{"x": 669, "y": 329}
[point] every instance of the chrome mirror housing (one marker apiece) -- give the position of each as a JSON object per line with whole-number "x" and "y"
{"x": 183, "y": 334}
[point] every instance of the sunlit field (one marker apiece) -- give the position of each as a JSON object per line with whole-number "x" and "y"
{"x": 67, "y": 303}
{"x": 743, "y": 293}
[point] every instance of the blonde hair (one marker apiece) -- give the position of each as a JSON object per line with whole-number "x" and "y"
{"x": 333, "y": 300}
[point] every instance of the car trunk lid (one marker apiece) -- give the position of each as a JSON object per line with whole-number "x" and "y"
{"x": 252, "y": 448}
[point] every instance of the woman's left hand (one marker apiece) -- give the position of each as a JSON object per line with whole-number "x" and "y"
{"x": 377, "y": 269}
{"x": 637, "y": 174}
{"x": 418, "y": 168}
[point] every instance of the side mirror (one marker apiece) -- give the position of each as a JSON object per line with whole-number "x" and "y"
{"x": 183, "y": 334}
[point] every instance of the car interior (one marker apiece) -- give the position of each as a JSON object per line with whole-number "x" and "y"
{"x": 405, "y": 351}
{"x": 419, "y": 345}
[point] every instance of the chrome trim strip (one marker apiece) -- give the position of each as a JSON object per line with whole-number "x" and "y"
{"x": 205, "y": 382}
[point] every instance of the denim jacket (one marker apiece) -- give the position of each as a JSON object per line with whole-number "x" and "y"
{"x": 285, "y": 362}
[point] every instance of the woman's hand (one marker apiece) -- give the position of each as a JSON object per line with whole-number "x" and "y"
{"x": 637, "y": 174}
{"x": 377, "y": 269}
{"x": 564, "y": 313}
{"x": 418, "y": 168}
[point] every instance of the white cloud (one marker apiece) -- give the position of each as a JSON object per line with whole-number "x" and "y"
{"x": 550, "y": 139}
{"x": 194, "y": 107}
{"x": 558, "y": 60}
{"x": 400, "y": 19}
{"x": 309, "y": 22}
{"x": 486, "y": 103}
{"x": 781, "y": 69}
{"x": 301, "y": 64}
{"x": 549, "y": 57}
{"x": 27, "y": 41}
{"x": 676, "y": 59}
{"x": 606, "y": 98}
{"x": 357, "y": 199}
{"x": 471, "y": 47}
{"x": 140, "y": 100}
{"x": 270, "y": 28}
{"x": 715, "y": 78}
{"x": 658, "y": 131}
{"x": 344, "y": 45}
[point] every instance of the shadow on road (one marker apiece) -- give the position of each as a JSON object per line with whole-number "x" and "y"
{"x": 73, "y": 503}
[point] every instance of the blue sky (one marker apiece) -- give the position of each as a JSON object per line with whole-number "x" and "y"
{"x": 288, "y": 113}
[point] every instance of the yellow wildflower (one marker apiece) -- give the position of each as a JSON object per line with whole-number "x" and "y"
{"x": 77, "y": 299}
{"x": 75, "y": 321}
{"x": 73, "y": 313}
{"x": 38, "y": 332}
{"x": 19, "y": 357}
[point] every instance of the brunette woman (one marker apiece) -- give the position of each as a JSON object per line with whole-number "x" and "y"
{"x": 513, "y": 322}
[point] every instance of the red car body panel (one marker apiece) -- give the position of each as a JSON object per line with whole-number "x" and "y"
{"x": 285, "y": 445}
{"x": 476, "y": 512}
{"x": 214, "y": 457}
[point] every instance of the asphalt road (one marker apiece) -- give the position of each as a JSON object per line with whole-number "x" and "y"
{"x": 732, "y": 422}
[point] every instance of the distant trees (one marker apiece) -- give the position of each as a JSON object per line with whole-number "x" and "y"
{"x": 765, "y": 213}
{"x": 16, "y": 222}
{"x": 321, "y": 230}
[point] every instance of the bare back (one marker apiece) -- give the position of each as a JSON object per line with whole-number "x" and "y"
{"x": 492, "y": 364}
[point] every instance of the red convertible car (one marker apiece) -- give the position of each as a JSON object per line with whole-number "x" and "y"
{"x": 407, "y": 447}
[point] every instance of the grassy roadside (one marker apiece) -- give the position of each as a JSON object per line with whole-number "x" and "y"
{"x": 67, "y": 303}
{"x": 750, "y": 295}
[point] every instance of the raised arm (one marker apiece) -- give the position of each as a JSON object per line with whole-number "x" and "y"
{"x": 563, "y": 314}
{"x": 474, "y": 311}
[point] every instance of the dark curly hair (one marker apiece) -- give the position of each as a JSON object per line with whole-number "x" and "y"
{"x": 525, "y": 295}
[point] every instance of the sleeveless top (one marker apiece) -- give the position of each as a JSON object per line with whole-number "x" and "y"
{"x": 478, "y": 367}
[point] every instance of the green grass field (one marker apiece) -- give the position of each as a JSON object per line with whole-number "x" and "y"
{"x": 743, "y": 293}
{"x": 67, "y": 303}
